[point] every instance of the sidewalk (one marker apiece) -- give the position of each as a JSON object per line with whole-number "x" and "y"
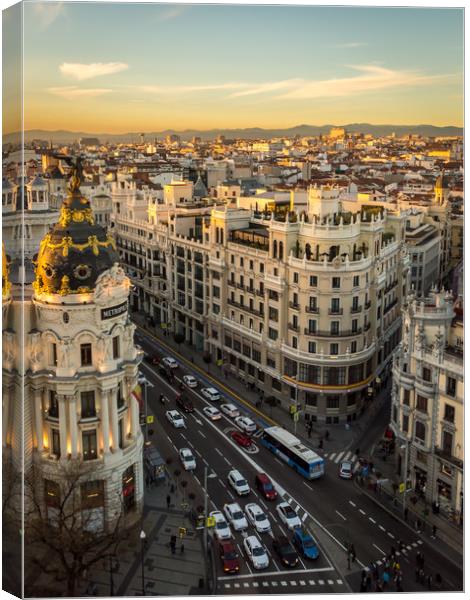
{"x": 340, "y": 438}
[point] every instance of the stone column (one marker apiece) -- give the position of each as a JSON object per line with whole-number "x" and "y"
{"x": 6, "y": 413}
{"x": 73, "y": 426}
{"x": 62, "y": 427}
{"x": 114, "y": 419}
{"x": 38, "y": 416}
{"x": 105, "y": 420}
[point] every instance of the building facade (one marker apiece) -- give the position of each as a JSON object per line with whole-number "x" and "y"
{"x": 428, "y": 400}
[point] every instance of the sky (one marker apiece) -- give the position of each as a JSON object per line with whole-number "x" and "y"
{"x": 146, "y": 67}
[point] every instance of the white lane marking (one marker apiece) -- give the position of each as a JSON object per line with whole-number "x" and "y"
{"x": 222, "y": 483}
{"x": 379, "y": 549}
{"x": 337, "y": 512}
{"x": 332, "y": 456}
{"x": 183, "y": 436}
{"x": 352, "y": 503}
{"x": 205, "y": 462}
{"x": 304, "y": 517}
{"x": 338, "y": 458}
{"x": 289, "y": 500}
{"x": 382, "y": 528}
{"x": 200, "y": 433}
{"x": 390, "y": 535}
{"x": 231, "y": 495}
{"x": 309, "y": 486}
{"x": 275, "y": 564}
{"x": 271, "y": 573}
{"x": 372, "y": 520}
{"x": 218, "y": 452}
{"x": 362, "y": 511}
{"x": 339, "y": 581}
{"x": 420, "y": 541}
{"x": 277, "y": 460}
{"x": 197, "y": 479}
{"x": 263, "y": 504}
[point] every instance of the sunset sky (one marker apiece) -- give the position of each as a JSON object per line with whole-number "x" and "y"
{"x": 135, "y": 67}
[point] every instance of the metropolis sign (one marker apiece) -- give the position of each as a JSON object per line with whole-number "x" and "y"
{"x": 113, "y": 311}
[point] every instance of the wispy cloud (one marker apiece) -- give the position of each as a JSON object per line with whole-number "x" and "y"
{"x": 88, "y": 71}
{"x": 73, "y": 92}
{"x": 171, "y": 13}
{"x": 351, "y": 45}
{"x": 179, "y": 89}
{"x": 47, "y": 12}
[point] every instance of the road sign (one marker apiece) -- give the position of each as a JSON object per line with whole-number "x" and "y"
{"x": 182, "y": 532}
{"x": 401, "y": 488}
{"x": 210, "y": 522}
{"x": 149, "y": 419}
{"x": 220, "y": 362}
{"x": 296, "y": 416}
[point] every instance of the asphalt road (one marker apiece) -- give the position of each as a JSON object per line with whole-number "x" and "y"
{"x": 335, "y": 510}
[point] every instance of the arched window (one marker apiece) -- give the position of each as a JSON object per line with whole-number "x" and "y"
{"x": 281, "y": 250}
{"x": 217, "y": 235}
{"x": 221, "y": 236}
{"x": 274, "y": 249}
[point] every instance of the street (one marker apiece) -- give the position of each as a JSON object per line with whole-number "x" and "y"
{"x": 335, "y": 511}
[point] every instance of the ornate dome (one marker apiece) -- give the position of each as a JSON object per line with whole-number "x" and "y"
{"x": 76, "y": 251}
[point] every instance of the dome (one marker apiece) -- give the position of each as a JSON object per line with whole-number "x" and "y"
{"x": 76, "y": 251}
{"x": 200, "y": 190}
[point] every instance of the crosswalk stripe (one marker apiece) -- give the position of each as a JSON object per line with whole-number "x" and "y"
{"x": 255, "y": 584}
{"x": 265, "y": 584}
{"x": 321, "y": 582}
{"x": 302, "y": 583}
{"x": 348, "y": 455}
{"x": 420, "y": 541}
{"x": 304, "y": 517}
{"x": 293, "y": 583}
{"x": 339, "y": 581}
{"x": 339, "y": 456}
{"x": 414, "y": 544}
{"x": 311, "y": 582}
{"x": 228, "y": 585}
{"x": 246, "y": 584}
{"x": 330, "y": 582}
{"x": 332, "y": 456}
{"x": 284, "y": 583}
{"x": 237, "y": 585}
{"x": 274, "y": 583}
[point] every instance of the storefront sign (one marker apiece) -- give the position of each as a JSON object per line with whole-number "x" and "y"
{"x": 113, "y": 311}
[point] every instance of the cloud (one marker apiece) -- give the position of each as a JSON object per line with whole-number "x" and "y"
{"x": 81, "y": 71}
{"x": 72, "y": 92}
{"x": 171, "y": 13}
{"x": 181, "y": 89}
{"x": 47, "y": 12}
{"x": 351, "y": 45}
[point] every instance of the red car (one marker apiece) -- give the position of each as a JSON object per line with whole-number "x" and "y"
{"x": 242, "y": 439}
{"x": 229, "y": 557}
{"x": 265, "y": 486}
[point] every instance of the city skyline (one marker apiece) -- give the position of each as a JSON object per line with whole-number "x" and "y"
{"x": 345, "y": 67}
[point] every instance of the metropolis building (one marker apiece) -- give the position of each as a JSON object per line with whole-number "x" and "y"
{"x": 69, "y": 369}
{"x": 305, "y": 305}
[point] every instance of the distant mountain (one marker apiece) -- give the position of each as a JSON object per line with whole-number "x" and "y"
{"x": 63, "y": 136}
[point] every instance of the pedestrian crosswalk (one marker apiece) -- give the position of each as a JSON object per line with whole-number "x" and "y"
{"x": 341, "y": 456}
{"x": 239, "y": 586}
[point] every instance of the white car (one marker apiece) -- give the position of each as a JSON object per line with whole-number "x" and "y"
{"x": 288, "y": 515}
{"x": 213, "y": 413}
{"x": 256, "y": 552}
{"x": 230, "y": 410}
{"x": 211, "y": 394}
{"x": 222, "y": 528}
{"x": 238, "y": 483}
{"x": 188, "y": 459}
{"x": 257, "y": 518}
{"x": 190, "y": 381}
{"x": 170, "y": 362}
{"x": 235, "y": 516}
{"x": 246, "y": 424}
{"x": 175, "y": 418}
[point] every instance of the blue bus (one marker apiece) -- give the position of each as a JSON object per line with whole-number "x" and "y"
{"x": 291, "y": 450}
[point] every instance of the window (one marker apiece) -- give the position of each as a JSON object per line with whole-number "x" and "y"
{"x": 52, "y": 493}
{"x": 272, "y": 334}
{"x": 336, "y": 283}
{"x": 87, "y": 400}
{"x": 313, "y": 303}
{"x": 355, "y": 303}
{"x": 426, "y": 374}
{"x": 120, "y": 396}
{"x": 53, "y": 410}
{"x": 92, "y": 494}
{"x": 312, "y": 326}
{"x": 120, "y": 434}
{"x": 116, "y": 347}
{"x": 313, "y": 281}
{"x": 449, "y": 413}
{"x": 54, "y": 354}
{"x": 406, "y": 397}
{"x": 215, "y": 291}
{"x": 276, "y": 272}
{"x": 251, "y": 265}
{"x": 294, "y": 342}
{"x": 89, "y": 444}
{"x": 256, "y": 356}
{"x": 232, "y": 259}
{"x": 312, "y": 347}
{"x": 246, "y": 350}
{"x": 356, "y": 281}
{"x": 353, "y": 347}
{"x": 420, "y": 431}
{"x": 447, "y": 442}
{"x": 271, "y": 362}
{"x": 241, "y": 261}
{"x": 273, "y": 314}
{"x": 332, "y": 402}
{"x": 422, "y": 403}
{"x": 451, "y": 386}
{"x": 276, "y": 384}
{"x": 333, "y": 349}
{"x": 295, "y": 300}
{"x": 311, "y": 399}
{"x": 261, "y": 268}
{"x": 405, "y": 423}
{"x": 335, "y": 305}
{"x": 55, "y": 442}
{"x": 295, "y": 321}
{"x": 334, "y": 327}
{"x": 85, "y": 354}
{"x": 296, "y": 278}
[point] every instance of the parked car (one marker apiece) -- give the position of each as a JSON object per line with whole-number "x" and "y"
{"x": 211, "y": 394}
{"x": 235, "y": 516}
{"x": 229, "y": 557}
{"x": 257, "y": 517}
{"x": 184, "y": 403}
{"x": 265, "y": 487}
{"x": 175, "y": 418}
{"x": 286, "y": 552}
{"x": 212, "y": 413}
{"x": 345, "y": 469}
{"x": 238, "y": 483}
{"x": 241, "y": 439}
{"x": 221, "y": 527}
{"x": 170, "y": 362}
{"x": 152, "y": 359}
{"x": 246, "y": 424}
{"x": 190, "y": 381}
{"x": 288, "y": 515}
{"x": 188, "y": 459}
{"x": 230, "y": 410}
{"x": 305, "y": 543}
{"x": 256, "y": 552}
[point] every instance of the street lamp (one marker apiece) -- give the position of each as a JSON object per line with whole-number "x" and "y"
{"x": 206, "y": 501}
{"x": 142, "y": 551}
{"x": 143, "y": 380}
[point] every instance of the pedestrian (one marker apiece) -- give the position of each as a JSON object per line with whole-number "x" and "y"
{"x": 168, "y": 501}
{"x": 358, "y": 451}
{"x": 392, "y": 551}
{"x": 434, "y": 531}
{"x": 417, "y": 574}
{"x": 421, "y": 576}
{"x": 182, "y": 548}
{"x": 405, "y": 514}
{"x": 368, "y": 582}
{"x": 320, "y": 444}
{"x": 429, "y": 581}
{"x": 173, "y": 544}
{"x": 418, "y": 559}
{"x": 353, "y": 553}
{"x": 363, "y": 587}
{"x": 327, "y": 435}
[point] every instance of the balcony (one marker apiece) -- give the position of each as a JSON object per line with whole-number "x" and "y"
{"x": 447, "y": 455}
{"x": 312, "y": 309}
{"x": 330, "y": 334}
{"x": 356, "y": 309}
{"x": 335, "y": 311}
{"x": 293, "y": 327}
{"x": 250, "y": 290}
{"x": 390, "y": 306}
{"x": 366, "y": 327}
{"x": 259, "y": 293}
{"x": 367, "y": 305}
{"x": 231, "y": 283}
{"x": 240, "y": 286}
{"x": 294, "y": 305}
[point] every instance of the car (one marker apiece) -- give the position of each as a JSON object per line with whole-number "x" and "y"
{"x": 165, "y": 372}
{"x": 305, "y": 543}
{"x": 212, "y": 413}
{"x": 286, "y": 552}
{"x": 221, "y": 528}
{"x": 235, "y": 516}
{"x": 230, "y": 410}
{"x": 265, "y": 486}
{"x": 184, "y": 403}
{"x": 175, "y": 418}
{"x": 256, "y": 552}
{"x": 257, "y": 517}
{"x": 246, "y": 424}
{"x": 190, "y": 381}
{"x": 288, "y": 515}
{"x": 345, "y": 469}
{"x": 241, "y": 439}
{"x": 211, "y": 394}
{"x": 188, "y": 459}
{"x": 153, "y": 359}
{"x": 238, "y": 483}
{"x": 229, "y": 557}
{"x": 170, "y": 362}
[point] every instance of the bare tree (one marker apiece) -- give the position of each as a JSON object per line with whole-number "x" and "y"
{"x": 62, "y": 532}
